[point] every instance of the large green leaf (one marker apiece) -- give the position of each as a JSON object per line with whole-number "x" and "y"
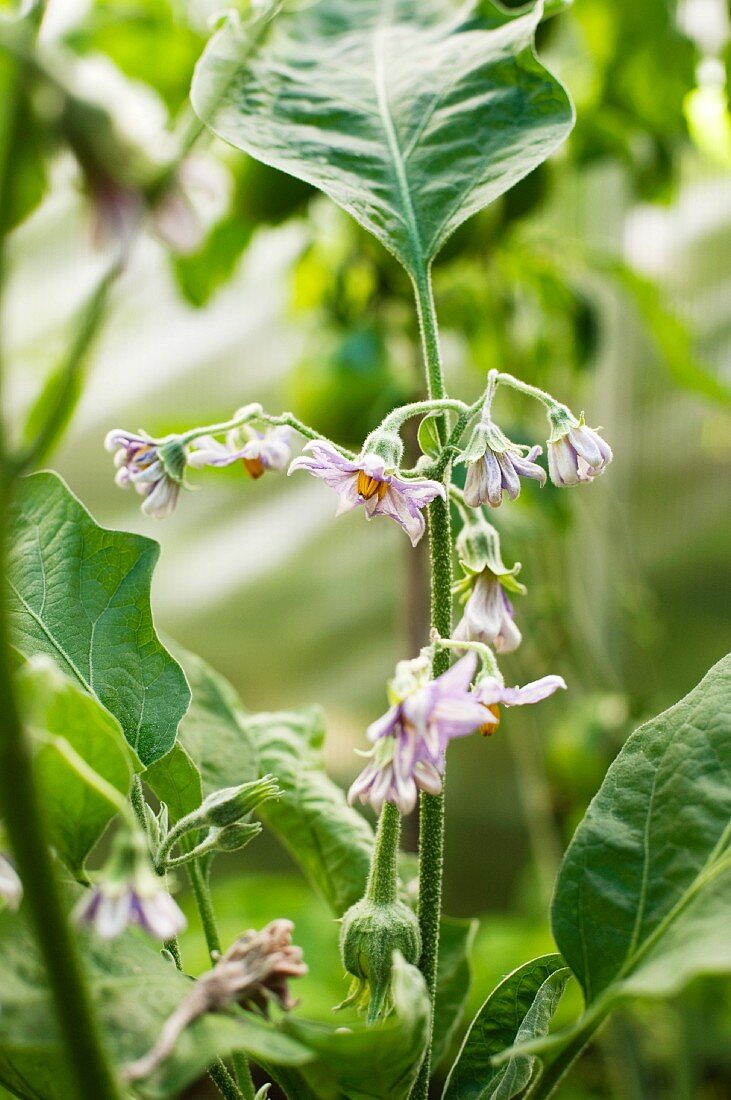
{"x": 410, "y": 114}
{"x": 56, "y": 710}
{"x": 213, "y": 750}
{"x": 453, "y": 981}
{"x": 643, "y": 898}
{"x": 80, "y": 594}
{"x": 330, "y": 841}
{"x": 520, "y": 1008}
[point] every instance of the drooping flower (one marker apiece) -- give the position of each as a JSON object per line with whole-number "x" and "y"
{"x": 11, "y": 888}
{"x": 410, "y": 740}
{"x": 576, "y": 453}
{"x": 130, "y": 893}
{"x": 261, "y": 451}
{"x": 495, "y": 465}
{"x": 493, "y": 694}
{"x": 153, "y": 467}
{"x": 253, "y": 972}
{"x": 488, "y": 615}
{"x": 369, "y": 481}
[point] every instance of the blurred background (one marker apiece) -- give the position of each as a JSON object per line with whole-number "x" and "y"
{"x": 604, "y": 277}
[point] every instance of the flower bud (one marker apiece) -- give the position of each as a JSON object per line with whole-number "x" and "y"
{"x": 234, "y": 837}
{"x": 370, "y": 933}
{"x": 227, "y": 806}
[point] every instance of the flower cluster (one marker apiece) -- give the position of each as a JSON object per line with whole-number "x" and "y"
{"x": 411, "y": 739}
{"x": 140, "y": 463}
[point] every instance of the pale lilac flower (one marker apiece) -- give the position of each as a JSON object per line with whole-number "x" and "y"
{"x": 130, "y": 893}
{"x": 488, "y": 616}
{"x": 410, "y": 740}
{"x": 11, "y": 888}
{"x": 260, "y": 452}
{"x": 576, "y": 453}
{"x": 139, "y": 464}
{"x": 495, "y": 465}
{"x": 368, "y": 481}
{"x": 492, "y": 694}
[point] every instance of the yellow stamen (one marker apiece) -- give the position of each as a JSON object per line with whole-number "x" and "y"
{"x": 490, "y": 727}
{"x": 368, "y": 486}
{"x": 254, "y": 467}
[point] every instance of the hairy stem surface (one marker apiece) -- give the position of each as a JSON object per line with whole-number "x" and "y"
{"x": 431, "y": 807}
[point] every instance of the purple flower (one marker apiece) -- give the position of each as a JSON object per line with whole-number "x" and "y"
{"x": 495, "y": 465}
{"x": 262, "y": 451}
{"x": 11, "y": 888}
{"x": 576, "y": 453}
{"x": 139, "y": 464}
{"x": 129, "y": 892}
{"x": 369, "y": 482}
{"x": 492, "y": 694}
{"x": 410, "y": 740}
{"x": 488, "y": 616}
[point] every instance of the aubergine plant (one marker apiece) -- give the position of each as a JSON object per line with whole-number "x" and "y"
{"x": 411, "y": 116}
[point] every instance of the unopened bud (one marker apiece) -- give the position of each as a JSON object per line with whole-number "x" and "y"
{"x": 233, "y": 837}
{"x": 370, "y": 933}
{"x": 229, "y": 805}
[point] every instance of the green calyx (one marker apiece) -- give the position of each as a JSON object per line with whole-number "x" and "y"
{"x": 371, "y": 931}
{"x": 478, "y": 549}
{"x": 231, "y": 804}
{"x": 387, "y": 444}
{"x": 174, "y": 459}
{"x": 562, "y": 420}
{"x": 486, "y": 436}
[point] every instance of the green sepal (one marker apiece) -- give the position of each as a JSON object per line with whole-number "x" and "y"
{"x": 174, "y": 459}
{"x": 486, "y": 436}
{"x": 387, "y": 445}
{"x": 562, "y": 420}
{"x": 478, "y": 549}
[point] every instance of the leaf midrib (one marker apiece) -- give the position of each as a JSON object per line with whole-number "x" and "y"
{"x": 380, "y": 34}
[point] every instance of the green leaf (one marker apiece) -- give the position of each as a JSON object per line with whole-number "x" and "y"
{"x": 134, "y": 990}
{"x": 644, "y": 892}
{"x": 330, "y": 841}
{"x": 520, "y": 1008}
{"x": 369, "y": 1063}
{"x": 428, "y": 436}
{"x": 54, "y": 707}
{"x": 454, "y": 975}
{"x": 409, "y": 115}
{"x": 212, "y": 731}
{"x": 176, "y": 781}
{"x": 80, "y": 594}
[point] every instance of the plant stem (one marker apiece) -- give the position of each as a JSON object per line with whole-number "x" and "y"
{"x": 382, "y": 885}
{"x": 198, "y": 874}
{"x": 554, "y": 1073}
{"x": 431, "y": 807}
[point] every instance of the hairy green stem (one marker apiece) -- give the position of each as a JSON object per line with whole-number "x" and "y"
{"x": 198, "y": 874}
{"x": 431, "y": 815}
{"x": 382, "y": 885}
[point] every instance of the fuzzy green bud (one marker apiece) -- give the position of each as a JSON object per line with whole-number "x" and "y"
{"x": 370, "y": 933}
{"x": 227, "y": 806}
{"x": 234, "y": 837}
